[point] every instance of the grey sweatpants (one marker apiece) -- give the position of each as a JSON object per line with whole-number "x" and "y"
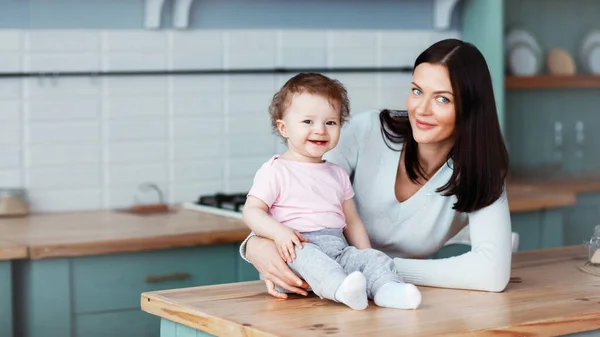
{"x": 327, "y": 259}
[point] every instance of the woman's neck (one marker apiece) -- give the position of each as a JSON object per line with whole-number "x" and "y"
{"x": 432, "y": 156}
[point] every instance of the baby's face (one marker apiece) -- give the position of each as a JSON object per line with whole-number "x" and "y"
{"x": 311, "y": 125}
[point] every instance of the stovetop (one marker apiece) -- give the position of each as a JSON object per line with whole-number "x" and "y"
{"x": 225, "y": 204}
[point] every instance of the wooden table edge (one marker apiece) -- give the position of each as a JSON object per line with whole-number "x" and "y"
{"x": 557, "y": 325}
{"x": 127, "y": 245}
{"x": 175, "y": 313}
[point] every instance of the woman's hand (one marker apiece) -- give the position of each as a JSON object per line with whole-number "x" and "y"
{"x": 265, "y": 258}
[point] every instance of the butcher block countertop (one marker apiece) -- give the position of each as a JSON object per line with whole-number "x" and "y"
{"x": 103, "y": 232}
{"x": 547, "y": 295}
{"x": 581, "y": 183}
{"x": 12, "y": 251}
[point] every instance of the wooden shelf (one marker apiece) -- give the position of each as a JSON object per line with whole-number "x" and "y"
{"x": 551, "y": 81}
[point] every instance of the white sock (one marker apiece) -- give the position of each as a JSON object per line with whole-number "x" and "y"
{"x": 398, "y": 295}
{"x": 353, "y": 291}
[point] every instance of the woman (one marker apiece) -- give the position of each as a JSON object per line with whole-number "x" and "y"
{"x": 421, "y": 176}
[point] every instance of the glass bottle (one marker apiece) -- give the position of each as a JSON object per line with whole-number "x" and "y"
{"x": 594, "y": 247}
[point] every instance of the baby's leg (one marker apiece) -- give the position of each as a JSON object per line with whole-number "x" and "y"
{"x": 383, "y": 284}
{"x": 328, "y": 279}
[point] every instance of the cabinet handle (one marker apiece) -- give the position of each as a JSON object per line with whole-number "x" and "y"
{"x": 169, "y": 277}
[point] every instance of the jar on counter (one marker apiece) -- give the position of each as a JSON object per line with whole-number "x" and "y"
{"x": 13, "y": 202}
{"x": 594, "y": 247}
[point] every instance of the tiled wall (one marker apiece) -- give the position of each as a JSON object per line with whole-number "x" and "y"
{"x": 88, "y": 142}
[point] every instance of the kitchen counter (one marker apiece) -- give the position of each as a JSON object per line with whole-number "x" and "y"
{"x": 103, "y": 232}
{"x": 523, "y": 198}
{"x": 547, "y": 295}
{"x": 12, "y": 251}
{"x": 581, "y": 183}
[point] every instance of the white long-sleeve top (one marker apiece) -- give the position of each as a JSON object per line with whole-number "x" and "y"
{"x": 411, "y": 230}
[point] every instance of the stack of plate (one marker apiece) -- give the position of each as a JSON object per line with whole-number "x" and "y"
{"x": 523, "y": 53}
{"x": 589, "y": 52}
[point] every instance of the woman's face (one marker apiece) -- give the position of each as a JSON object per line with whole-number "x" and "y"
{"x": 430, "y": 105}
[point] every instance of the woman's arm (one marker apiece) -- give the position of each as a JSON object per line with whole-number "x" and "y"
{"x": 355, "y": 231}
{"x": 486, "y": 267}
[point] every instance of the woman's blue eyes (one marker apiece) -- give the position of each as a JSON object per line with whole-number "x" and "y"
{"x": 440, "y": 99}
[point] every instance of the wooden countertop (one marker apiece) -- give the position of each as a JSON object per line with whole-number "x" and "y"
{"x": 547, "y": 295}
{"x": 102, "y": 232}
{"x": 12, "y": 251}
{"x": 581, "y": 183}
{"x": 523, "y": 198}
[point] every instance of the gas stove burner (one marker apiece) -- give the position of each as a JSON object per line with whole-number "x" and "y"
{"x": 234, "y": 202}
{"x": 224, "y": 204}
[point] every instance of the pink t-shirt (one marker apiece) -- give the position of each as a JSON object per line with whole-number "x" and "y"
{"x": 304, "y": 196}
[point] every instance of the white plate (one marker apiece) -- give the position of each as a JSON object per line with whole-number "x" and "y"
{"x": 592, "y": 58}
{"x": 523, "y": 60}
{"x": 588, "y": 53}
{"x": 519, "y": 35}
{"x": 523, "y": 53}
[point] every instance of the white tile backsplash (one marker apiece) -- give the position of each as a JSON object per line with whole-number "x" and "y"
{"x": 10, "y": 134}
{"x": 10, "y": 62}
{"x": 197, "y": 127}
{"x": 42, "y": 155}
{"x": 10, "y": 40}
{"x": 62, "y": 132}
{"x": 136, "y": 106}
{"x": 64, "y": 177}
{"x": 137, "y": 152}
{"x": 10, "y": 157}
{"x": 137, "y": 173}
{"x": 79, "y": 143}
{"x": 63, "y": 107}
{"x": 62, "y": 41}
{"x": 10, "y": 111}
{"x": 11, "y": 178}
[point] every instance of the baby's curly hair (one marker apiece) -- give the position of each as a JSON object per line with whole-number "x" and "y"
{"x": 311, "y": 83}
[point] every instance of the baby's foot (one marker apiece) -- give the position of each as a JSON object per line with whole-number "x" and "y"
{"x": 398, "y": 295}
{"x": 353, "y": 291}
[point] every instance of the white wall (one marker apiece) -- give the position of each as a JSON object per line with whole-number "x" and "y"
{"x": 86, "y": 143}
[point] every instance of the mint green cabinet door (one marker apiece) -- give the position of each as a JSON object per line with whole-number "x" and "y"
{"x": 100, "y": 295}
{"x": 245, "y": 271}
{"x": 115, "y": 282}
{"x": 129, "y": 323}
{"x": 6, "y": 310}
{"x": 581, "y": 219}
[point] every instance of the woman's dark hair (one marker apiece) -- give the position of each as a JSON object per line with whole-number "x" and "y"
{"x": 480, "y": 158}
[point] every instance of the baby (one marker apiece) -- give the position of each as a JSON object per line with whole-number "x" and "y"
{"x": 298, "y": 197}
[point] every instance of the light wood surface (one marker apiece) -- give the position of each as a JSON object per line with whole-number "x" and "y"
{"x": 522, "y": 198}
{"x": 584, "y": 183}
{"x": 12, "y": 251}
{"x": 547, "y": 295}
{"x": 102, "y": 232}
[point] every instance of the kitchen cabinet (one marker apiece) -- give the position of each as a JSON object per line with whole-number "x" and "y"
{"x": 99, "y": 295}
{"x": 581, "y": 218}
{"x": 6, "y": 314}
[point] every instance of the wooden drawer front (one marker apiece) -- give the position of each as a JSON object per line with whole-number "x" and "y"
{"x": 115, "y": 282}
{"x": 128, "y": 323}
{"x": 5, "y": 299}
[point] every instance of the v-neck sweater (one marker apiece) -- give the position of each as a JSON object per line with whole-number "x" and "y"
{"x": 412, "y": 230}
